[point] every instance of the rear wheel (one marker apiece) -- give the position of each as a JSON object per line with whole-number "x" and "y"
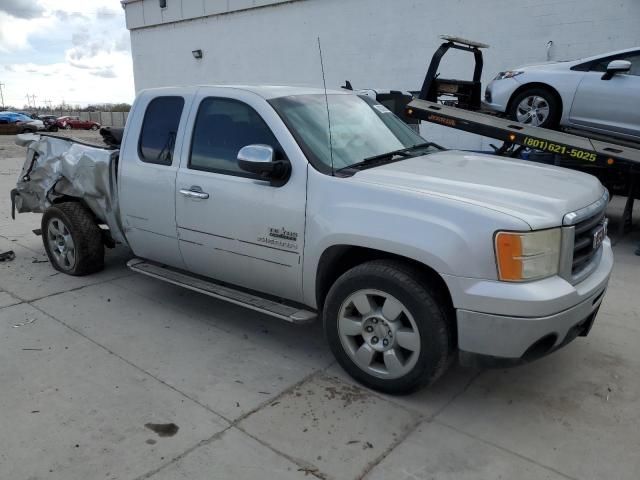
{"x": 387, "y": 327}
{"x": 72, "y": 239}
{"x": 537, "y": 107}
{"x": 68, "y": 127}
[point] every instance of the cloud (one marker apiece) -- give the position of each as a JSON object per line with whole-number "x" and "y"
{"x": 81, "y": 66}
{"x": 110, "y": 83}
{"x": 82, "y": 45}
{"x": 88, "y": 50}
{"x": 123, "y": 44}
{"x": 24, "y": 9}
{"x": 104, "y": 13}
{"x": 105, "y": 73}
{"x": 69, "y": 16}
{"x": 94, "y": 49}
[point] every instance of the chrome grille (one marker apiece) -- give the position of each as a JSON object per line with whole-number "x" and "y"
{"x": 583, "y": 251}
{"x": 580, "y": 256}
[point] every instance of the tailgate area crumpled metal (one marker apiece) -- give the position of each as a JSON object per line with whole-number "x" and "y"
{"x": 58, "y": 167}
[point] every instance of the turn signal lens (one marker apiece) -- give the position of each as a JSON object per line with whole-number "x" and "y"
{"x": 527, "y": 256}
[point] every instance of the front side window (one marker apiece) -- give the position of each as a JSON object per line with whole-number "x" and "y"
{"x": 223, "y": 126}
{"x": 159, "y": 130}
{"x": 635, "y": 64}
{"x": 634, "y": 58}
{"x": 360, "y": 128}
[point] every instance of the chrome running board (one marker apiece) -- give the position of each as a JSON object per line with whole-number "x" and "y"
{"x": 238, "y": 297}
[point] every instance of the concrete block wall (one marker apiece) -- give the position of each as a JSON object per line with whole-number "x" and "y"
{"x": 107, "y": 119}
{"x": 373, "y": 43}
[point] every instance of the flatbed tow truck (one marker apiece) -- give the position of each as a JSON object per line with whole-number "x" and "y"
{"x": 457, "y": 104}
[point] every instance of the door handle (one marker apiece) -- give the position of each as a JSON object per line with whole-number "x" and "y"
{"x": 194, "y": 192}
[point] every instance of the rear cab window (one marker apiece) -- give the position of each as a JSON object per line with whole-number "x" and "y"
{"x": 159, "y": 129}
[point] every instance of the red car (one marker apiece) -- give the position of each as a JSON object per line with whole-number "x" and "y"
{"x": 74, "y": 122}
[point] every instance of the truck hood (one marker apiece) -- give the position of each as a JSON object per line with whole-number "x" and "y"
{"x": 538, "y": 194}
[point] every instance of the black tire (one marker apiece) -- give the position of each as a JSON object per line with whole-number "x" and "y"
{"x": 555, "y": 108}
{"x": 85, "y": 233}
{"x": 68, "y": 127}
{"x": 94, "y": 127}
{"x": 427, "y": 307}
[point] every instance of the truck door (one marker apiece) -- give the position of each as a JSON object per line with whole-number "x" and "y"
{"x": 245, "y": 232}
{"x": 609, "y": 104}
{"x": 147, "y": 174}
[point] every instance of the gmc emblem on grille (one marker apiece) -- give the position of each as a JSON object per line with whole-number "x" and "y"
{"x": 600, "y": 234}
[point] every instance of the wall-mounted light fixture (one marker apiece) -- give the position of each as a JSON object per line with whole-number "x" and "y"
{"x": 163, "y": 3}
{"x": 197, "y": 54}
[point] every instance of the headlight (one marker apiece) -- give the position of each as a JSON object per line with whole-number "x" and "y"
{"x": 508, "y": 74}
{"x": 522, "y": 257}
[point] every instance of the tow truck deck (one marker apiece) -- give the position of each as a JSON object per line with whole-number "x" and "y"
{"x": 457, "y": 104}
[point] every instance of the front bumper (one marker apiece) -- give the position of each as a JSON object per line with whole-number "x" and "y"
{"x": 498, "y": 94}
{"x": 521, "y": 322}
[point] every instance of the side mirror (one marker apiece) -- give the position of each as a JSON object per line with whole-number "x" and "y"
{"x": 260, "y": 160}
{"x": 615, "y": 67}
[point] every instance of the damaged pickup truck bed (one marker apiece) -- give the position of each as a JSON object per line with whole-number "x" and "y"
{"x": 409, "y": 253}
{"x": 59, "y": 168}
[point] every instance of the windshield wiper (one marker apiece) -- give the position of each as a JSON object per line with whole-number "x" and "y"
{"x": 387, "y": 157}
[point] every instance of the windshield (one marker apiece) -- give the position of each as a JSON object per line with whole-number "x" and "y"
{"x": 360, "y": 128}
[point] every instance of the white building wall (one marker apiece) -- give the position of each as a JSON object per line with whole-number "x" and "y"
{"x": 373, "y": 43}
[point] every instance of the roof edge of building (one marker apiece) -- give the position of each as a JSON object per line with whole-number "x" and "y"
{"x": 236, "y": 10}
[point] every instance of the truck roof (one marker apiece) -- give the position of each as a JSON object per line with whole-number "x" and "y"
{"x": 265, "y": 91}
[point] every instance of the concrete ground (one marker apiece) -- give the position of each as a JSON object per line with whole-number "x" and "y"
{"x": 94, "y": 370}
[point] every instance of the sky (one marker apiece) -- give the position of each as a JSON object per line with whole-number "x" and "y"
{"x": 71, "y": 51}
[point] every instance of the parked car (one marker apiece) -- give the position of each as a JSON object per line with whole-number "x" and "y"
{"x": 33, "y": 116}
{"x": 410, "y": 254}
{"x": 69, "y": 122}
{"x": 599, "y": 94}
{"x": 15, "y": 122}
{"x": 50, "y": 122}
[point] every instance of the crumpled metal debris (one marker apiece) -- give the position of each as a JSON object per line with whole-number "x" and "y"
{"x": 57, "y": 167}
{"x": 7, "y": 256}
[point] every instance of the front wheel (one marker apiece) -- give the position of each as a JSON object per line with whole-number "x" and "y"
{"x": 387, "y": 327}
{"x": 537, "y": 107}
{"x": 72, "y": 239}
{"x": 94, "y": 127}
{"x": 68, "y": 127}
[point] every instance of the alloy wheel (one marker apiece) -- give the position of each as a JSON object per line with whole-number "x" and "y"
{"x": 379, "y": 334}
{"x": 61, "y": 244}
{"x": 533, "y": 110}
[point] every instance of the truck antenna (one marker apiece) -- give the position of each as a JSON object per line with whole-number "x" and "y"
{"x": 326, "y": 99}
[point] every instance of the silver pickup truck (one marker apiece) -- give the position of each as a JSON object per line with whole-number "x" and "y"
{"x": 301, "y": 203}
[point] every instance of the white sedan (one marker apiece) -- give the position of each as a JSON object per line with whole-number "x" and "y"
{"x": 599, "y": 94}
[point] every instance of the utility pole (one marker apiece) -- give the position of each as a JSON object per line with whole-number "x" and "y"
{"x": 1, "y": 96}
{"x": 31, "y": 99}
